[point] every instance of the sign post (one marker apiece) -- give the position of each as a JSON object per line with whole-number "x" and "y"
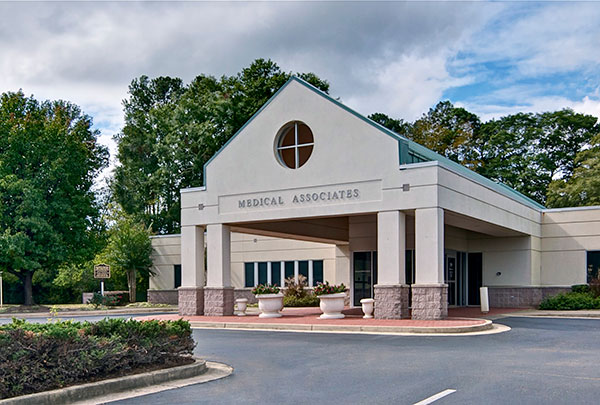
{"x": 102, "y": 272}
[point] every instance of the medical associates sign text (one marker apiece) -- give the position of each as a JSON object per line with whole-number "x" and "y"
{"x": 301, "y": 198}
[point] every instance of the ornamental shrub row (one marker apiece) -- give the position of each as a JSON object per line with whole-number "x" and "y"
{"x": 308, "y": 300}
{"x": 40, "y": 357}
{"x": 571, "y": 301}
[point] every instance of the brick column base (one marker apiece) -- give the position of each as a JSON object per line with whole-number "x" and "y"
{"x": 218, "y": 301}
{"x": 391, "y": 301}
{"x": 429, "y": 301}
{"x": 190, "y": 301}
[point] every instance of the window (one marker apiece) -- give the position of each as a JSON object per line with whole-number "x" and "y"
{"x": 177, "y": 275}
{"x": 593, "y": 264}
{"x": 295, "y": 144}
{"x": 249, "y": 274}
{"x": 272, "y": 272}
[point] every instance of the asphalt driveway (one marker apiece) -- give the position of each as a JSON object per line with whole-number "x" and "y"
{"x": 540, "y": 361}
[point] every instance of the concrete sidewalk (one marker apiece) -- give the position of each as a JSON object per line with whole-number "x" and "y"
{"x": 307, "y": 320}
{"x": 584, "y": 313}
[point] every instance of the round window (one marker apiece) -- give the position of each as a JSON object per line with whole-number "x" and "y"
{"x": 295, "y": 144}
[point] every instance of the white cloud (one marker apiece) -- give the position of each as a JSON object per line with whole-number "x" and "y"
{"x": 409, "y": 85}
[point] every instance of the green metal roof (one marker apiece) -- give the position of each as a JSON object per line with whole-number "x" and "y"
{"x": 410, "y": 151}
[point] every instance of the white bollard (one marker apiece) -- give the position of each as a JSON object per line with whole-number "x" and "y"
{"x": 242, "y": 304}
{"x": 485, "y": 302}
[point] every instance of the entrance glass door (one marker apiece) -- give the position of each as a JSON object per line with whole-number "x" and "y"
{"x": 364, "y": 275}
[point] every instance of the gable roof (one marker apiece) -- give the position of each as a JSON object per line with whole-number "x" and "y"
{"x": 409, "y": 151}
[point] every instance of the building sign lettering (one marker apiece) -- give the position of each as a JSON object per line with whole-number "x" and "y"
{"x": 301, "y": 198}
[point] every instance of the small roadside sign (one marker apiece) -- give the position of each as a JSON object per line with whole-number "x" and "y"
{"x": 102, "y": 271}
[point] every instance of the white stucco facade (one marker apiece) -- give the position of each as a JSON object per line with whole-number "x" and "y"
{"x": 379, "y": 211}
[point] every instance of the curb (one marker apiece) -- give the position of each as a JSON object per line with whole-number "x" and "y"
{"x": 487, "y": 325}
{"x": 101, "y": 388}
{"x": 131, "y": 311}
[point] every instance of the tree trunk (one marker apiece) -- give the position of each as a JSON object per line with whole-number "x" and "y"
{"x": 28, "y": 289}
{"x": 132, "y": 284}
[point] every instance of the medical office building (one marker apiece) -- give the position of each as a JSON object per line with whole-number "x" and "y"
{"x": 310, "y": 187}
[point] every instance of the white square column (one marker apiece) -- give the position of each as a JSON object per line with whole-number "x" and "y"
{"x": 391, "y": 291}
{"x": 218, "y": 249}
{"x": 218, "y": 294}
{"x": 429, "y": 293}
{"x": 391, "y": 247}
{"x": 429, "y": 244}
{"x": 191, "y": 295}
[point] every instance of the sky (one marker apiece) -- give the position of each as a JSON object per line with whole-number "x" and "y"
{"x": 399, "y": 58}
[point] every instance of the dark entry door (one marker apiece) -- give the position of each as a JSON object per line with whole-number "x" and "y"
{"x": 474, "y": 268}
{"x": 364, "y": 275}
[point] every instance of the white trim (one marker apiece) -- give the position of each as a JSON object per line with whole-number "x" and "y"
{"x": 567, "y": 209}
{"x": 173, "y": 235}
{"x": 310, "y": 273}
{"x": 269, "y": 273}
{"x": 296, "y": 270}
{"x": 192, "y": 189}
{"x": 282, "y": 273}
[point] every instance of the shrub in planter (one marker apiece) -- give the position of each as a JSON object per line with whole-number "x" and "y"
{"x": 326, "y": 288}
{"x": 265, "y": 289}
{"x": 40, "y": 357}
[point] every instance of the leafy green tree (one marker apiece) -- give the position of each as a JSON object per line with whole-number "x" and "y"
{"x": 527, "y": 151}
{"x": 129, "y": 250}
{"x": 398, "y": 126}
{"x": 49, "y": 157}
{"x": 451, "y": 131}
{"x": 582, "y": 188}
{"x": 172, "y": 130}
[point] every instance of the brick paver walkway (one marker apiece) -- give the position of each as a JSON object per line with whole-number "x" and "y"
{"x": 309, "y": 316}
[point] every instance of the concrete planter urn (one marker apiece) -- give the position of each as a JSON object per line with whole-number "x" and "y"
{"x": 332, "y": 305}
{"x": 367, "y": 307}
{"x": 242, "y": 304}
{"x": 270, "y": 305}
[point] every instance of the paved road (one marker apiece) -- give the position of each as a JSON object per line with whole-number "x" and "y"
{"x": 541, "y": 361}
{"x": 79, "y": 318}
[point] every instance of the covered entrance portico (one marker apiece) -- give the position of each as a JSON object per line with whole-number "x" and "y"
{"x": 308, "y": 168}
{"x": 384, "y": 255}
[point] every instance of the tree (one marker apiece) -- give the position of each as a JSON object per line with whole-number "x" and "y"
{"x": 527, "y": 151}
{"x": 129, "y": 250}
{"x": 582, "y": 188}
{"x": 450, "y": 131}
{"x": 398, "y": 126}
{"x": 172, "y": 130}
{"x": 49, "y": 157}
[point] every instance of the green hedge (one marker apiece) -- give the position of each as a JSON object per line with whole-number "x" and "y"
{"x": 40, "y": 357}
{"x": 308, "y": 300}
{"x": 571, "y": 301}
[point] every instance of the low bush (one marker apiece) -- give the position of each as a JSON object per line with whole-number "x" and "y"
{"x": 571, "y": 301}
{"x": 580, "y": 288}
{"x": 308, "y": 300}
{"x": 40, "y": 357}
